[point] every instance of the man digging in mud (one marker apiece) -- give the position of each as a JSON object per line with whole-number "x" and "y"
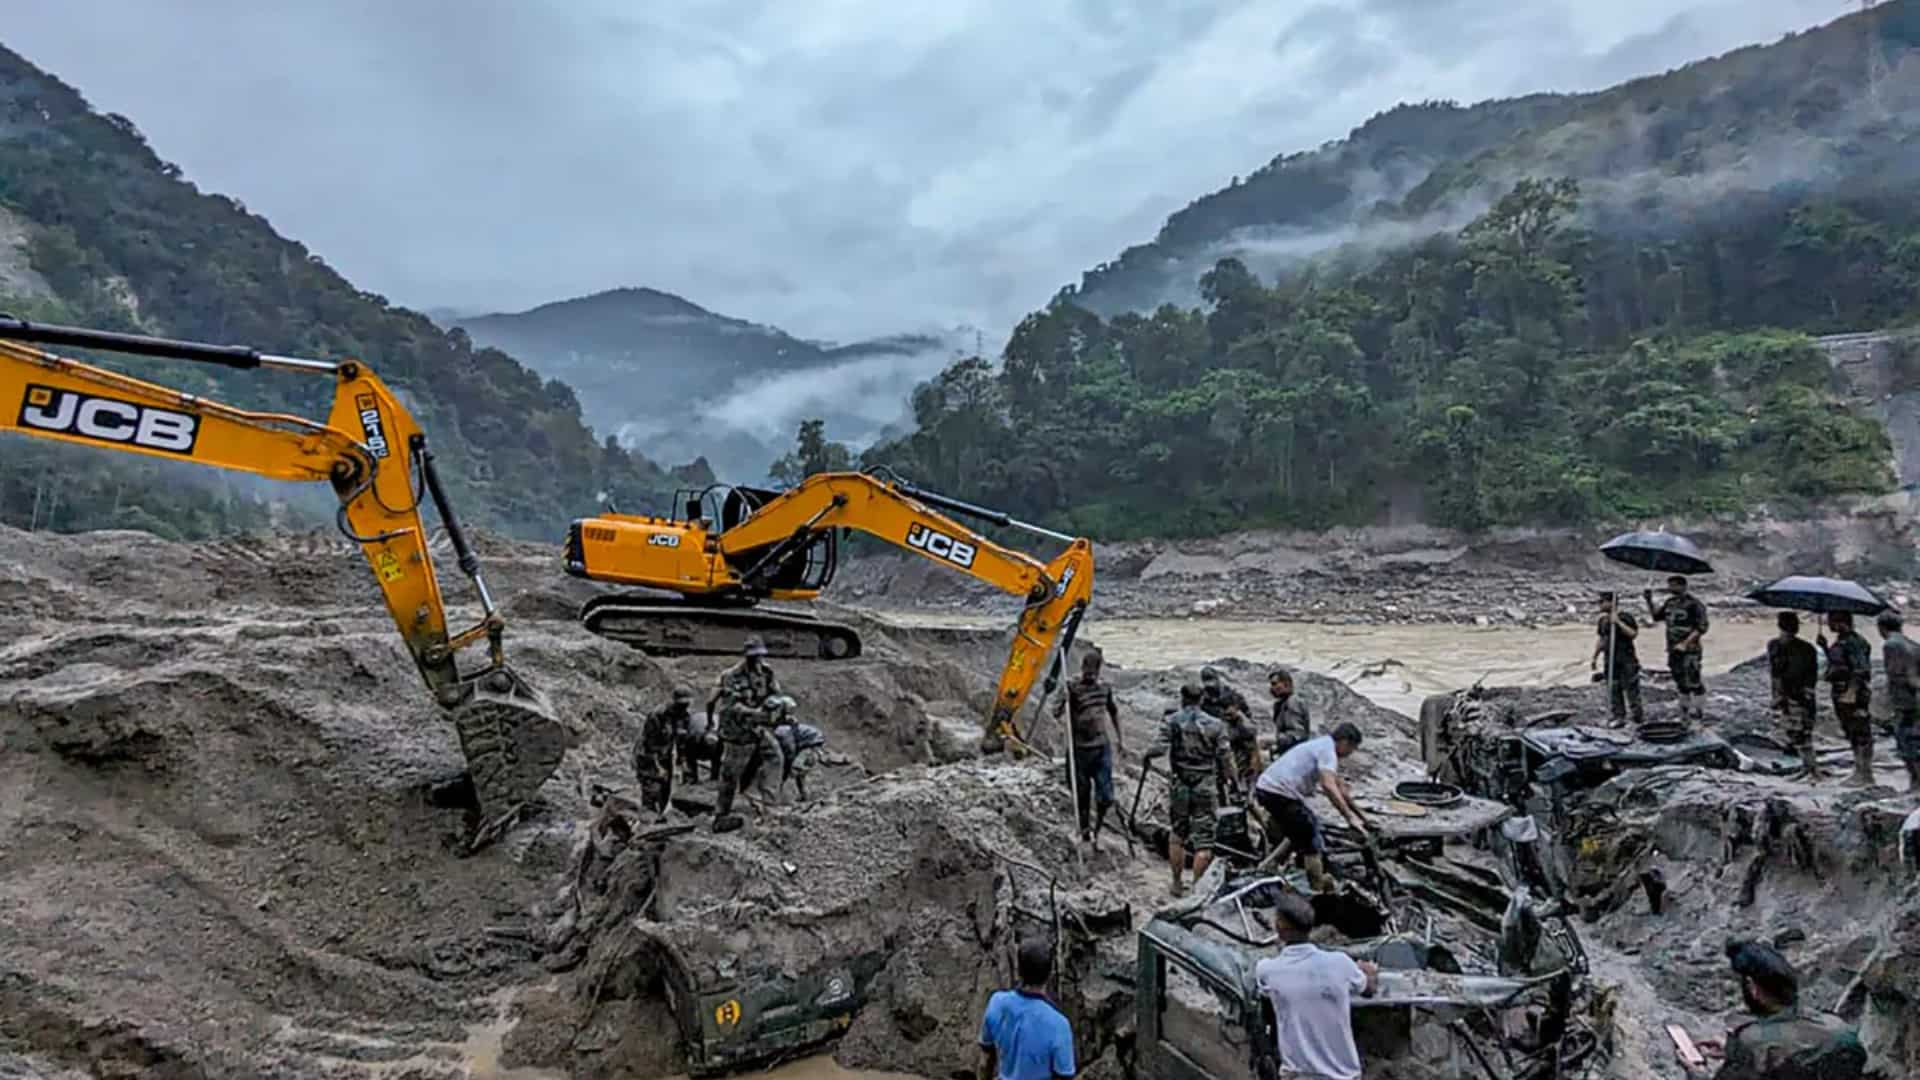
{"x": 1195, "y": 745}
{"x": 1686, "y": 619}
{"x": 1786, "y": 1042}
{"x": 1291, "y": 723}
{"x": 661, "y": 734}
{"x": 1850, "y": 675}
{"x": 1283, "y": 791}
{"x": 1796, "y": 671}
{"x": 1091, "y": 710}
{"x": 1902, "y": 663}
{"x": 741, "y": 696}
{"x": 1617, "y": 630}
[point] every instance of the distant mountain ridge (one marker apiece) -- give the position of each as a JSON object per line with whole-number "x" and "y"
{"x": 96, "y": 228}
{"x": 1735, "y": 122}
{"x": 669, "y": 376}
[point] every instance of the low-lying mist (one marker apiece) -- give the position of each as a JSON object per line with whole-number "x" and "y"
{"x": 861, "y": 395}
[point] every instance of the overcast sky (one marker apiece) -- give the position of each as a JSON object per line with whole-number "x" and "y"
{"x": 837, "y": 167}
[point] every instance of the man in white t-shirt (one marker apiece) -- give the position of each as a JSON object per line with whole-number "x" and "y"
{"x": 1311, "y": 990}
{"x": 1284, "y": 788}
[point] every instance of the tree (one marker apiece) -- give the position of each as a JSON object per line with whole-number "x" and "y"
{"x": 812, "y": 453}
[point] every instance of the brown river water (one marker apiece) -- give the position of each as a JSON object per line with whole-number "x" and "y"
{"x": 1394, "y": 665}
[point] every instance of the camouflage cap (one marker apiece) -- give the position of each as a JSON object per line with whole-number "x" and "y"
{"x": 755, "y": 646}
{"x": 1209, "y": 674}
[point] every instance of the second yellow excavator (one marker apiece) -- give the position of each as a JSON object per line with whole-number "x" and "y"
{"x": 732, "y": 547}
{"x": 373, "y": 455}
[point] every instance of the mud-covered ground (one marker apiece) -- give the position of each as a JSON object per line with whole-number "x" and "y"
{"x": 221, "y": 853}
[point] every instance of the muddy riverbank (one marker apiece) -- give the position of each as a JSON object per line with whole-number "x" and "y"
{"x": 221, "y": 854}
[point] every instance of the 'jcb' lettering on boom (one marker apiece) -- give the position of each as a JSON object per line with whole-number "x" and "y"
{"x": 110, "y": 420}
{"x": 940, "y": 545}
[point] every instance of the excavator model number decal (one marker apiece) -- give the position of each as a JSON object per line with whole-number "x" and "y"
{"x": 600, "y": 534}
{"x": 109, "y": 420}
{"x": 940, "y": 545}
{"x": 663, "y": 540}
{"x": 370, "y": 424}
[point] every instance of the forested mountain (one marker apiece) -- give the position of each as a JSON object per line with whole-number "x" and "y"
{"x": 1615, "y": 328}
{"x": 96, "y": 229}
{"x": 672, "y": 379}
{"x": 1783, "y": 118}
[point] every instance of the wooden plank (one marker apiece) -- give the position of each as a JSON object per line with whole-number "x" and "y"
{"x": 1689, "y": 1054}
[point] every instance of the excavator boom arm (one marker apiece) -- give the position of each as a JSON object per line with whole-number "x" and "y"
{"x": 1056, "y": 593}
{"x": 379, "y": 475}
{"x": 865, "y": 504}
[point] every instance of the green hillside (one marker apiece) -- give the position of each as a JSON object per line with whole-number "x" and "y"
{"x": 1777, "y": 119}
{"x": 112, "y": 236}
{"x": 1615, "y": 328}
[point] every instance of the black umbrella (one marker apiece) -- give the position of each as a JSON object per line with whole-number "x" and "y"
{"x": 1819, "y": 594}
{"x": 1663, "y": 552}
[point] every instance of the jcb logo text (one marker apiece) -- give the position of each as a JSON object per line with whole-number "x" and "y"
{"x": 663, "y": 540}
{"x": 105, "y": 419}
{"x": 940, "y": 545}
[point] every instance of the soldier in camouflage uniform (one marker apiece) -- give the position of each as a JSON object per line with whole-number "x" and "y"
{"x": 1195, "y": 744}
{"x": 1786, "y": 1041}
{"x": 800, "y": 747}
{"x": 1614, "y": 643}
{"x": 1903, "y": 693}
{"x": 1796, "y": 673}
{"x": 660, "y": 735}
{"x": 746, "y": 734}
{"x": 1292, "y": 725}
{"x": 1850, "y": 676}
{"x": 1217, "y": 699}
{"x": 1243, "y": 754}
{"x": 1686, "y": 619}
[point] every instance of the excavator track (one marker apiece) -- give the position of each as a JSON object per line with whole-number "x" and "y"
{"x": 666, "y": 628}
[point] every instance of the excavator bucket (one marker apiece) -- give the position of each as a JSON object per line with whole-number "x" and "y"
{"x": 512, "y": 741}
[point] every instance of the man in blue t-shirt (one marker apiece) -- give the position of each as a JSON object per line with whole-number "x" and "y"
{"x": 1022, "y": 1036}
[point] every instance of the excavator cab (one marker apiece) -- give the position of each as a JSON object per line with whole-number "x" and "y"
{"x": 374, "y": 456}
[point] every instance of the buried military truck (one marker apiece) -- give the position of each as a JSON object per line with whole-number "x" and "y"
{"x": 877, "y": 925}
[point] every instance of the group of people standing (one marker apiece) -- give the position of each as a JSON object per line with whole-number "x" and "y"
{"x": 754, "y": 733}
{"x": 1216, "y": 755}
{"x": 1795, "y": 669}
{"x": 1686, "y": 620}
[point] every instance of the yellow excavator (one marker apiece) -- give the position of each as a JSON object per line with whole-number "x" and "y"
{"x": 373, "y": 455}
{"x": 728, "y": 548}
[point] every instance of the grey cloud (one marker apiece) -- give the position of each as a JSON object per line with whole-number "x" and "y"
{"x": 843, "y": 168}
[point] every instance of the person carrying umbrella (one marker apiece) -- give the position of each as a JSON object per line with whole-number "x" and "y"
{"x": 1850, "y": 674}
{"x": 1616, "y": 632}
{"x": 1902, "y": 661}
{"x": 1686, "y": 619}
